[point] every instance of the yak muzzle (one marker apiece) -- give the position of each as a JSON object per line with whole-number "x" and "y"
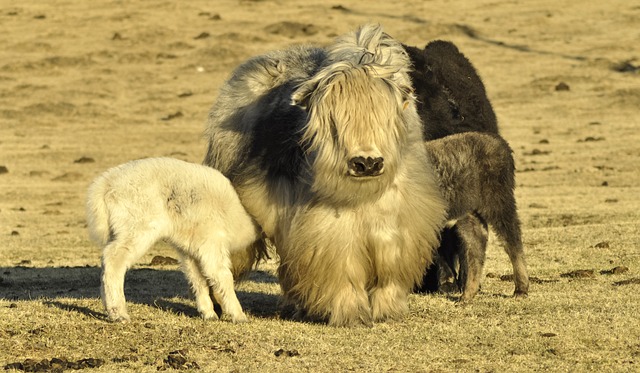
{"x": 364, "y": 167}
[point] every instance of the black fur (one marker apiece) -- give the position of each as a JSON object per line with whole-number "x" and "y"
{"x": 451, "y": 99}
{"x": 277, "y": 138}
{"x": 451, "y": 95}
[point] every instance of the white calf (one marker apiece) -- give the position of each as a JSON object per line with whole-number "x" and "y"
{"x": 193, "y": 207}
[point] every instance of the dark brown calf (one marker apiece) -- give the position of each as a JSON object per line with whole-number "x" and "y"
{"x": 476, "y": 173}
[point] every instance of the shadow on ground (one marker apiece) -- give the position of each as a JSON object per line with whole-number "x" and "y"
{"x": 162, "y": 288}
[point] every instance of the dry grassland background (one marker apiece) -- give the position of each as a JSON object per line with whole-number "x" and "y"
{"x": 86, "y": 85}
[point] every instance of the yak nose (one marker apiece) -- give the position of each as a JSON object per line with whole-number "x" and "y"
{"x": 369, "y": 166}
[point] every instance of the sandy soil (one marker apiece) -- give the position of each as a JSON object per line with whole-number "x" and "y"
{"x": 88, "y": 85}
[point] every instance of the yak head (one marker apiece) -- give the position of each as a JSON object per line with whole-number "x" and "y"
{"x": 360, "y": 112}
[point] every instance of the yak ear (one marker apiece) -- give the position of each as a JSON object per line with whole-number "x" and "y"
{"x": 302, "y": 94}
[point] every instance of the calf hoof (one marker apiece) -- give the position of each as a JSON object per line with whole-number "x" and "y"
{"x": 468, "y": 294}
{"x": 448, "y": 288}
{"x": 520, "y": 294}
{"x": 465, "y": 299}
{"x": 119, "y": 318}
{"x": 241, "y": 319}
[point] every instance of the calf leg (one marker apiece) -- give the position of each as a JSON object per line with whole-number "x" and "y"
{"x": 430, "y": 279}
{"x": 216, "y": 267}
{"x": 118, "y": 256}
{"x": 442, "y": 274}
{"x": 448, "y": 260}
{"x": 507, "y": 228}
{"x": 200, "y": 287}
{"x": 472, "y": 231}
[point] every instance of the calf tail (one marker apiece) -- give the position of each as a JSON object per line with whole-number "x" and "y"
{"x": 97, "y": 212}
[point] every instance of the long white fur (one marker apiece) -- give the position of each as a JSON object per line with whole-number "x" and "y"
{"x": 351, "y": 249}
{"x": 194, "y": 207}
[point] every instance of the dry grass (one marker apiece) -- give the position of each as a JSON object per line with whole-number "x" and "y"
{"x": 104, "y": 80}
{"x": 566, "y": 324}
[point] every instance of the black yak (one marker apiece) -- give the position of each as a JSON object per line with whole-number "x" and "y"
{"x": 452, "y": 99}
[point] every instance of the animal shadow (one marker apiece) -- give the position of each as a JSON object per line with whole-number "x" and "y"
{"x": 165, "y": 289}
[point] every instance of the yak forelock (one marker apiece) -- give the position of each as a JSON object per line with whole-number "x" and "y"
{"x": 360, "y": 104}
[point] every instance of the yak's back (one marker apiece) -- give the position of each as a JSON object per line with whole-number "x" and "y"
{"x": 253, "y": 107}
{"x": 451, "y": 95}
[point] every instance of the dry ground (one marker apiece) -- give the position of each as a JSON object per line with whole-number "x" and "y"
{"x": 85, "y": 85}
